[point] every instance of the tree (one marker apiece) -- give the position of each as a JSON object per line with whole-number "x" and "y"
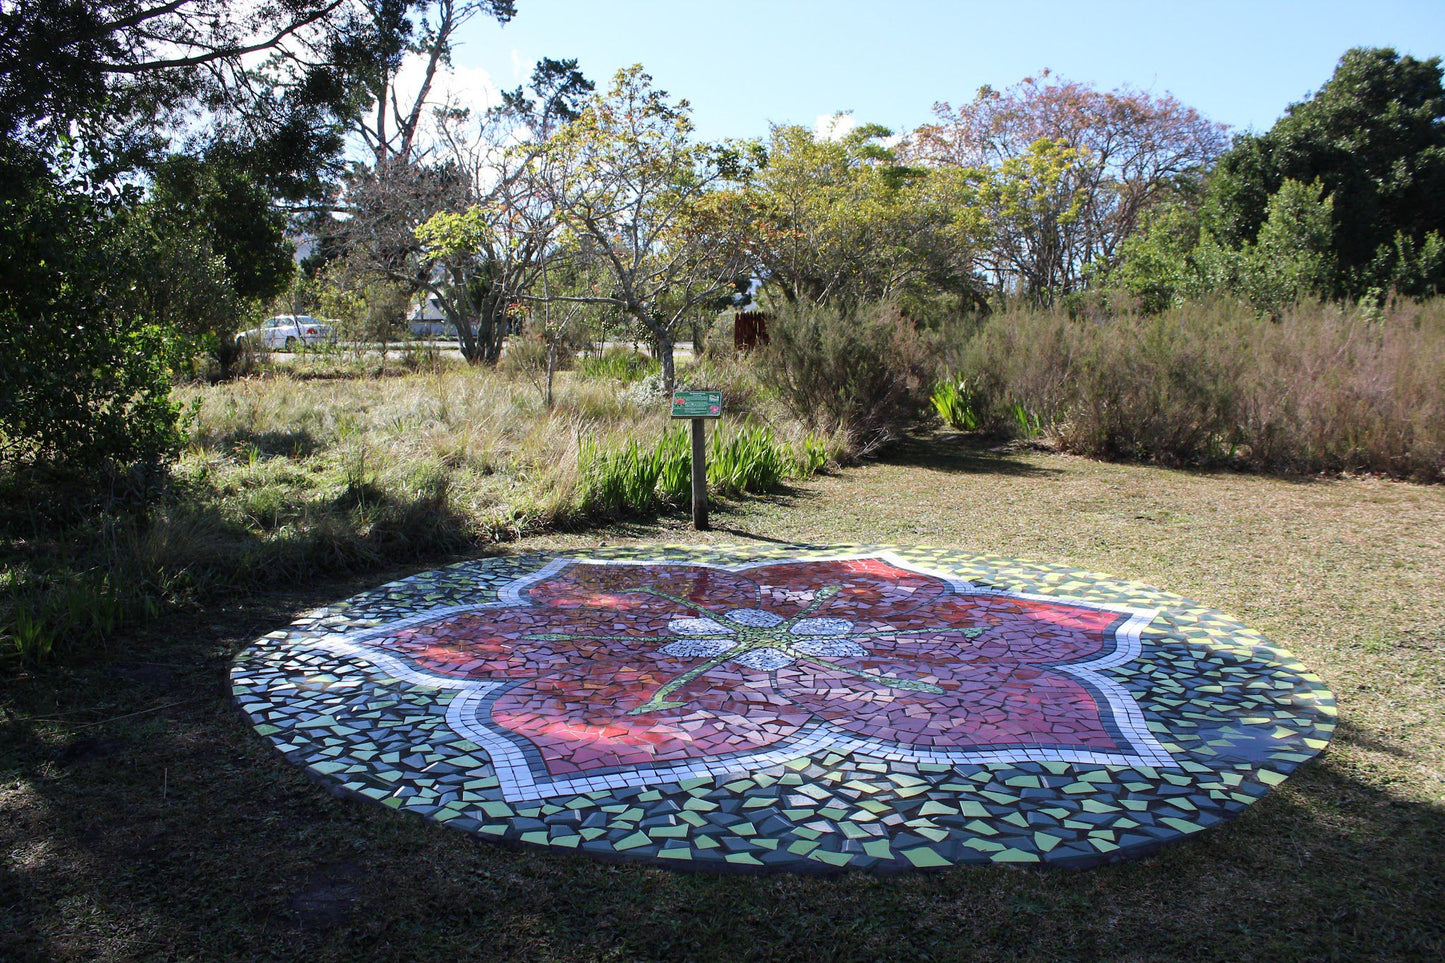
{"x": 1128, "y": 149}
{"x": 1031, "y": 207}
{"x": 1294, "y": 256}
{"x": 93, "y": 96}
{"x": 391, "y": 118}
{"x": 1291, "y": 258}
{"x": 84, "y": 384}
{"x": 204, "y": 247}
{"x": 630, "y": 185}
{"x": 1374, "y": 138}
{"x": 841, "y": 219}
{"x": 471, "y": 227}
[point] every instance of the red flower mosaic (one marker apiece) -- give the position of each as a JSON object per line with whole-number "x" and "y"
{"x": 621, "y": 665}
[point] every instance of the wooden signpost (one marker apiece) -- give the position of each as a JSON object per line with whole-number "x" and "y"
{"x": 698, "y": 406}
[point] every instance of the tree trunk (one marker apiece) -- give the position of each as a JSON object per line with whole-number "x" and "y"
{"x": 551, "y": 368}
{"x": 664, "y": 354}
{"x": 491, "y": 327}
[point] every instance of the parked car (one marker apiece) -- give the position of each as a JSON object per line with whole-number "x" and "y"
{"x": 287, "y": 332}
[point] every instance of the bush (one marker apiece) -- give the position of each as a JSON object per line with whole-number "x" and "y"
{"x": 863, "y": 374}
{"x": 84, "y": 383}
{"x": 1325, "y": 388}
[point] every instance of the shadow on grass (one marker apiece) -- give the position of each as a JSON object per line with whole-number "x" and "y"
{"x": 297, "y": 443}
{"x": 178, "y": 832}
{"x": 955, "y": 452}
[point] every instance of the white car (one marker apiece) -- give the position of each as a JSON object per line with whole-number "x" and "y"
{"x": 287, "y": 332}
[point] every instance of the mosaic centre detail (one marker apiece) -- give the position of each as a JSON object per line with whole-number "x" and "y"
{"x": 797, "y": 708}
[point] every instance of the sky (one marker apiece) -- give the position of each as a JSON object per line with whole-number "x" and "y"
{"x": 745, "y": 64}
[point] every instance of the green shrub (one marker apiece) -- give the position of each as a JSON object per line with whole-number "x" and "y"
{"x": 862, "y": 374}
{"x": 84, "y": 382}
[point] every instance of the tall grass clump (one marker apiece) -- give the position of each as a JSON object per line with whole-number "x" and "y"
{"x": 618, "y": 364}
{"x": 750, "y": 460}
{"x": 1323, "y": 388}
{"x": 635, "y": 479}
{"x": 862, "y": 374}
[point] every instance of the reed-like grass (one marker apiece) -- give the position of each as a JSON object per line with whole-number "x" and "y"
{"x": 618, "y": 364}
{"x": 1325, "y": 388}
{"x": 637, "y": 478}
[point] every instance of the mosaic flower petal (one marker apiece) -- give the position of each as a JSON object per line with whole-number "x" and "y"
{"x": 755, "y": 618}
{"x": 822, "y": 627}
{"x": 831, "y": 648}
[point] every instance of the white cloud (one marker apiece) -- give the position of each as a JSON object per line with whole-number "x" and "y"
{"x": 834, "y": 126}
{"x": 471, "y": 88}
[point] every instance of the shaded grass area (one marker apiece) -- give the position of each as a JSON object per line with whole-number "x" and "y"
{"x": 142, "y": 819}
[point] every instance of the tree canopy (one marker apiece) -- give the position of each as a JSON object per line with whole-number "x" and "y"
{"x": 1373, "y": 137}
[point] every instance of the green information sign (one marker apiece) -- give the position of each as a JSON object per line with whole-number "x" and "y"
{"x": 697, "y": 404}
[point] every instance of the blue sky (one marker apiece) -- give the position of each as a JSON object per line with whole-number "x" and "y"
{"x": 745, "y": 63}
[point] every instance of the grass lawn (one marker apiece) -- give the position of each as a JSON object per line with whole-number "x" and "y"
{"x": 141, "y": 818}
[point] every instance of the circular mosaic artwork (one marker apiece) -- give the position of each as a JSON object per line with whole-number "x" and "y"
{"x": 789, "y": 707}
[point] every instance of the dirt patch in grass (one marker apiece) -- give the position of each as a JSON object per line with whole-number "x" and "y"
{"x": 140, "y": 817}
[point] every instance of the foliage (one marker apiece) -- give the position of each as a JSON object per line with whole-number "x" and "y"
{"x": 205, "y": 246}
{"x": 957, "y": 401}
{"x": 1029, "y": 201}
{"x": 750, "y": 460}
{"x": 1321, "y": 389}
{"x": 84, "y": 383}
{"x": 366, "y": 307}
{"x": 632, "y": 191}
{"x": 119, "y": 253}
{"x": 474, "y": 228}
{"x": 864, "y": 374}
{"x": 841, "y": 218}
{"x": 636, "y": 480}
{"x": 1158, "y": 268}
{"x": 1373, "y": 137}
{"x": 1116, "y": 155}
{"x": 1292, "y": 259}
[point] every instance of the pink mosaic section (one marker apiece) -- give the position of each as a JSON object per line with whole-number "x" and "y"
{"x": 891, "y": 656}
